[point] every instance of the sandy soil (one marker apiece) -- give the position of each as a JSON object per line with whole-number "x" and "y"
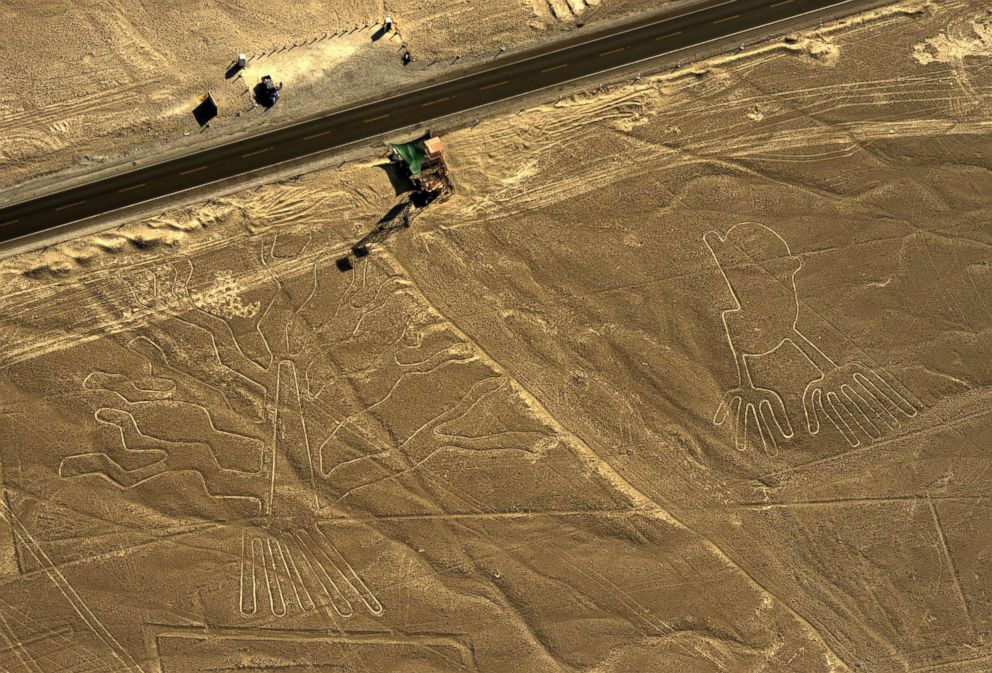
{"x": 110, "y": 81}
{"x": 693, "y": 376}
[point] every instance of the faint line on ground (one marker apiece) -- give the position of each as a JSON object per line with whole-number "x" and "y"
{"x": 856, "y": 502}
{"x": 952, "y": 567}
{"x": 483, "y": 515}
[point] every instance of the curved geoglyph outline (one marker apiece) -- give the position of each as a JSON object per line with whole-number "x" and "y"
{"x": 850, "y": 406}
{"x": 284, "y": 563}
{"x": 300, "y": 568}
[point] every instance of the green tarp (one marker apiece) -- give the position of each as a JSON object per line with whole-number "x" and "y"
{"x": 412, "y": 154}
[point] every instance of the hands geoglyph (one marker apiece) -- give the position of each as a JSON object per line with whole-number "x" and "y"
{"x": 757, "y": 417}
{"x": 857, "y": 400}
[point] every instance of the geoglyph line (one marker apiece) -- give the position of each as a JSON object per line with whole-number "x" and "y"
{"x": 759, "y": 269}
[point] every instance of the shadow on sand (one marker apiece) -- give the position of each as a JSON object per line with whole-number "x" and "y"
{"x": 232, "y": 70}
{"x": 205, "y": 111}
{"x": 399, "y": 178}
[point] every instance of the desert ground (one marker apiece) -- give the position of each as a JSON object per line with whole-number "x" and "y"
{"x": 107, "y": 82}
{"x": 691, "y": 374}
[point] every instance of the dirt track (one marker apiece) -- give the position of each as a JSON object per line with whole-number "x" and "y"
{"x": 497, "y": 444}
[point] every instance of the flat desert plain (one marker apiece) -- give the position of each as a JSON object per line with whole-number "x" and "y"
{"x": 691, "y": 374}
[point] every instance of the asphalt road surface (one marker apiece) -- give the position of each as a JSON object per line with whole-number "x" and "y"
{"x": 584, "y": 54}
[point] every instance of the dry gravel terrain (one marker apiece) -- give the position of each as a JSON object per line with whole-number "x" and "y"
{"x": 692, "y": 374}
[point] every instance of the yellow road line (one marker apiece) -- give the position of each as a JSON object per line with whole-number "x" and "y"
{"x": 613, "y": 51}
{"x": 493, "y": 86}
{"x": 678, "y": 32}
{"x": 433, "y": 102}
{"x": 779, "y": 4}
{"x": 727, "y": 18}
{"x": 375, "y": 119}
{"x": 251, "y": 154}
{"x": 555, "y": 67}
{"x": 193, "y": 170}
{"x": 127, "y": 189}
{"x": 316, "y": 135}
{"x": 8, "y": 222}
{"x": 71, "y": 205}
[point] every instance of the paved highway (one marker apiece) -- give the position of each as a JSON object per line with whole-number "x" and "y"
{"x": 584, "y": 54}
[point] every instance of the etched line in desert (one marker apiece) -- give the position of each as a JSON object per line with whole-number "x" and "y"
{"x": 556, "y": 336}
